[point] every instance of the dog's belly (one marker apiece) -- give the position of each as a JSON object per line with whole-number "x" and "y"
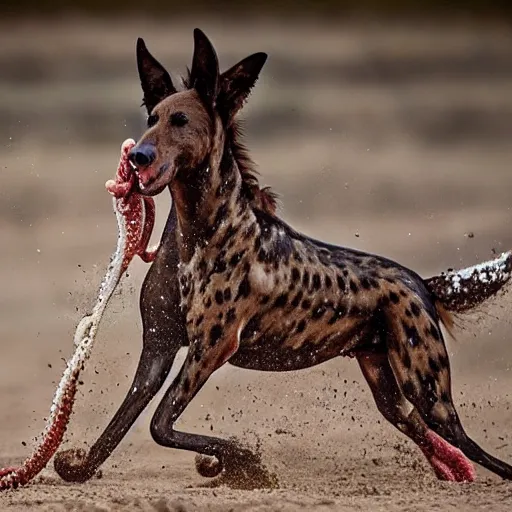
{"x": 280, "y": 348}
{"x": 268, "y": 359}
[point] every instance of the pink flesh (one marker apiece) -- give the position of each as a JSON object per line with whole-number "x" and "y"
{"x": 138, "y": 217}
{"x": 448, "y": 462}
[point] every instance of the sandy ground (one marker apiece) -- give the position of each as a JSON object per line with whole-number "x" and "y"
{"x": 393, "y": 139}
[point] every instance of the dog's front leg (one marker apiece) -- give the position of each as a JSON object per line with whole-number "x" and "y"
{"x": 240, "y": 467}
{"x": 164, "y": 333}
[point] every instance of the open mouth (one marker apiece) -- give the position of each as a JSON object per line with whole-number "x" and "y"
{"x": 146, "y": 176}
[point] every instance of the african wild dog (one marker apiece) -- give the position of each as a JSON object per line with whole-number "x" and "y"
{"x": 235, "y": 283}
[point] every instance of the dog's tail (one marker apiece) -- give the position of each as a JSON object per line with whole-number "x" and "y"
{"x": 466, "y": 290}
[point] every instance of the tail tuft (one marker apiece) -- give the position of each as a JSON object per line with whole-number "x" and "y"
{"x": 461, "y": 291}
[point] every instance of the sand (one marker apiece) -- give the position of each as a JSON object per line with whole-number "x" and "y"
{"x": 394, "y": 139}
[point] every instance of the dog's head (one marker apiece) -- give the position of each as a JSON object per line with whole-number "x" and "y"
{"x": 183, "y": 126}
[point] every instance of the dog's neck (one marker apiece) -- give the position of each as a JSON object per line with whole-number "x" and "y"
{"x": 208, "y": 200}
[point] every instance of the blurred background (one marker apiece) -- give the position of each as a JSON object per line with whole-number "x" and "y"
{"x": 288, "y": 8}
{"x": 384, "y": 125}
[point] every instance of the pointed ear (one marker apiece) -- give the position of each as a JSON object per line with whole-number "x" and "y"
{"x": 204, "y": 76}
{"x": 236, "y": 84}
{"x": 155, "y": 81}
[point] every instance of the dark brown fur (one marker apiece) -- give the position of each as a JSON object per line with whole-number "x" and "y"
{"x": 235, "y": 283}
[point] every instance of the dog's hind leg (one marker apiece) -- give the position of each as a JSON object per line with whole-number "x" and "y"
{"x": 418, "y": 356}
{"x": 447, "y": 462}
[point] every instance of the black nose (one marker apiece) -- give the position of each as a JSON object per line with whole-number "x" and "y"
{"x": 142, "y": 155}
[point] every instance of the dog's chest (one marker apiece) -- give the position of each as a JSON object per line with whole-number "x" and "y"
{"x": 192, "y": 278}
{"x": 214, "y": 287}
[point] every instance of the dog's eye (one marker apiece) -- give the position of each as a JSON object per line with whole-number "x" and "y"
{"x": 179, "y": 119}
{"x": 152, "y": 120}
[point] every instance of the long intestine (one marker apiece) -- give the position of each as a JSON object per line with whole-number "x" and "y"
{"x": 85, "y": 334}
